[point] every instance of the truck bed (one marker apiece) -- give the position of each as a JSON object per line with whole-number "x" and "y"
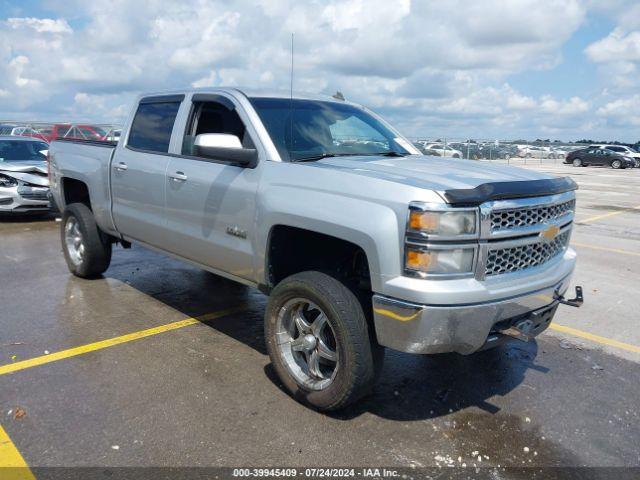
{"x": 87, "y": 161}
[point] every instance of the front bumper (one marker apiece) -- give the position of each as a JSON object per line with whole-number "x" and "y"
{"x": 23, "y": 199}
{"x": 464, "y": 328}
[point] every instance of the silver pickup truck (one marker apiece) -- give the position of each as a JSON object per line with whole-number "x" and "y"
{"x": 359, "y": 241}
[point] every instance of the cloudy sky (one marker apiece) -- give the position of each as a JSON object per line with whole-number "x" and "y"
{"x": 564, "y": 69}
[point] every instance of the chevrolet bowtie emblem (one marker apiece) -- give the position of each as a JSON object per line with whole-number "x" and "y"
{"x": 550, "y": 233}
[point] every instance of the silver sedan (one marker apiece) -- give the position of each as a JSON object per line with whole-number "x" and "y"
{"x": 24, "y": 184}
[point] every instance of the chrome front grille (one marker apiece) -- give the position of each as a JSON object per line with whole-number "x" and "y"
{"x": 529, "y": 216}
{"x": 520, "y": 257}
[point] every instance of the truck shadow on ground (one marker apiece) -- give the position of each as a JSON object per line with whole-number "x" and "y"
{"x": 418, "y": 387}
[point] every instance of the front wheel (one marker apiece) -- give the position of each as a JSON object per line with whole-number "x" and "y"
{"x": 616, "y": 164}
{"x": 86, "y": 249}
{"x": 577, "y": 162}
{"x": 320, "y": 342}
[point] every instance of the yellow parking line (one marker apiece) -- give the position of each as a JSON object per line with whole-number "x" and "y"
{"x": 606, "y": 249}
{"x": 12, "y": 465}
{"x": 595, "y": 338}
{"x": 607, "y": 215}
{"x": 92, "y": 347}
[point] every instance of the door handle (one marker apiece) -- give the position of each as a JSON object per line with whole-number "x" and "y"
{"x": 121, "y": 167}
{"x": 178, "y": 177}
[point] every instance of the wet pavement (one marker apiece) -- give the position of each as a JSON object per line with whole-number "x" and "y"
{"x": 205, "y": 394}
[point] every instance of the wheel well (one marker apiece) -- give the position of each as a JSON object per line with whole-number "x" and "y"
{"x": 75, "y": 191}
{"x": 293, "y": 250}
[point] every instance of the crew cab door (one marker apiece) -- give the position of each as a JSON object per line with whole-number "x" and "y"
{"x": 138, "y": 171}
{"x": 210, "y": 204}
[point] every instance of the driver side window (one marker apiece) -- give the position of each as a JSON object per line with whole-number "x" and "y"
{"x": 214, "y": 117}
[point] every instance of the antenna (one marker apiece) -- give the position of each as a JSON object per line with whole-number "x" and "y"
{"x": 291, "y": 97}
{"x": 291, "y": 79}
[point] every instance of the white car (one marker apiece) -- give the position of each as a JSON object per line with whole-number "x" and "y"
{"x": 443, "y": 150}
{"x": 621, "y": 150}
{"x": 24, "y": 184}
{"x": 533, "y": 151}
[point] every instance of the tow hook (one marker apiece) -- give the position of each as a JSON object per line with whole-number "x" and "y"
{"x": 522, "y": 330}
{"x": 572, "y": 302}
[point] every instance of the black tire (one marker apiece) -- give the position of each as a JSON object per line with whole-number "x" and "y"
{"x": 527, "y": 155}
{"x": 97, "y": 247}
{"x": 360, "y": 356}
{"x": 616, "y": 164}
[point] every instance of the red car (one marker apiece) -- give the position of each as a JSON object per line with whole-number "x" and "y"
{"x": 81, "y": 132}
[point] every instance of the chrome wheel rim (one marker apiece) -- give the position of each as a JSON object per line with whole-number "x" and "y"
{"x": 74, "y": 241}
{"x": 576, "y": 163}
{"x": 307, "y": 344}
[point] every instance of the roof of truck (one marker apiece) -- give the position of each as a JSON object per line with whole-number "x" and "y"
{"x": 251, "y": 93}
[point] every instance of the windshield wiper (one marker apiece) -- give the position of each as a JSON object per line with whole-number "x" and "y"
{"x": 320, "y": 156}
{"x": 313, "y": 158}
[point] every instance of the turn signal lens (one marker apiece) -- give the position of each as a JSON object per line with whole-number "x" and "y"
{"x": 418, "y": 260}
{"x": 443, "y": 262}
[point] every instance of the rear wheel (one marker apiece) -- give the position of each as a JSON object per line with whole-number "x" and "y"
{"x": 616, "y": 164}
{"x": 319, "y": 341}
{"x": 86, "y": 249}
{"x": 577, "y": 162}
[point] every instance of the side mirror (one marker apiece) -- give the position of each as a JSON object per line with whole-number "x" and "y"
{"x": 225, "y": 147}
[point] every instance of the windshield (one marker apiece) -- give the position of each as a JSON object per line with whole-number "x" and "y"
{"x": 21, "y": 151}
{"x": 310, "y": 129}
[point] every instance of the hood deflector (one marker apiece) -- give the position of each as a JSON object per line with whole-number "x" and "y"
{"x": 507, "y": 190}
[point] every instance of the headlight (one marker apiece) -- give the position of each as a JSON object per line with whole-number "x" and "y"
{"x": 447, "y": 223}
{"x": 7, "y": 181}
{"x": 451, "y": 261}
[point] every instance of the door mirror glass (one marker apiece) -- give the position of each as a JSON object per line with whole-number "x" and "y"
{"x": 224, "y": 147}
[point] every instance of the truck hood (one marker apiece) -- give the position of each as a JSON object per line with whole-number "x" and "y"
{"x": 432, "y": 173}
{"x": 30, "y": 172}
{"x": 452, "y": 177}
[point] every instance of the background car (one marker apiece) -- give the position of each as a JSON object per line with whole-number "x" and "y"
{"x": 599, "y": 156}
{"x": 444, "y": 150}
{"x": 503, "y": 151}
{"x": 622, "y": 150}
{"x": 534, "y": 151}
{"x": 24, "y": 183}
{"x": 77, "y": 132}
{"x": 426, "y": 151}
{"x": 20, "y": 130}
{"x": 470, "y": 150}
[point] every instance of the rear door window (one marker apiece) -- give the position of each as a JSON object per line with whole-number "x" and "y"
{"x": 152, "y": 125}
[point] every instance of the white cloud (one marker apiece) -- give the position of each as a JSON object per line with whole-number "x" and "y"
{"x": 40, "y": 25}
{"x": 617, "y": 46}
